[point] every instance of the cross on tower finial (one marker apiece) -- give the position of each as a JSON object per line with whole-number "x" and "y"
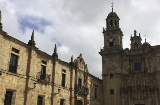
{"x": 135, "y": 32}
{"x": 112, "y": 5}
{"x": 145, "y": 38}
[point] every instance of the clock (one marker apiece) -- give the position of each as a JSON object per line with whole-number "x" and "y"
{"x": 111, "y": 39}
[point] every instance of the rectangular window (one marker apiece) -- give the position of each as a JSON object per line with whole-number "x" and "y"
{"x": 63, "y": 79}
{"x": 13, "y": 63}
{"x": 13, "y": 60}
{"x": 95, "y": 93}
{"x": 112, "y": 92}
{"x": 111, "y": 75}
{"x": 62, "y": 102}
{"x": 8, "y": 98}
{"x": 43, "y": 72}
{"x": 79, "y": 82}
{"x": 137, "y": 66}
{"x": 40, "y": 100}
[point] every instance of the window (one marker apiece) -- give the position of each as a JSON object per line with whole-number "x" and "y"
{"x": 62, "y": 102}
{"x": 95, "y": 93}
{"x": 79, "y": 102}
{"x": 8, "y": 98}
{"x": 13, "y": 60}
{"x": 40, "y": 100}
{"x": 115, "y": 23}
{"x": 79, "y": 82}
{"x": 137, "y": 66}
{"x": 112, "y": 92}
{"x": 110, "y": 44}
{"x": 63, "y": 78}
{"x": 135, "y": 46}
{"x": 111, "y": 23}
{"x": 111, "y": 75}
{"x": 43, "y": 70}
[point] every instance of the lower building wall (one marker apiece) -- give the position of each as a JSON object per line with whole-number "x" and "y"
{"x": 17, "y": 84}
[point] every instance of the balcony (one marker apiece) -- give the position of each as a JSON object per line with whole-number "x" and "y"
{"x": 43, "y": 78}
{"x": 82, "y": 90}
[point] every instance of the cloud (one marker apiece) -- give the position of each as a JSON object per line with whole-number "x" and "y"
{"x": 33, "y": 23}
{"x": 76, "y": 25}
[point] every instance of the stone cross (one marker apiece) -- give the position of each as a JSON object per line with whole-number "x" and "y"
{"x": 112, "y": 5}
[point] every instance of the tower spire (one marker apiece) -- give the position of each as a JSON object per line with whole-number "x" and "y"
{"x": 1, "y": 21}
{"x": 32, "y": 36}
{"x": 72, "y": 58}
{"x": 55, "y": 49}
{"x": 55, "y": 55}
{"x": 112, "y": 5}
{"x": 135, "y": 32}
{"x": 0, "y": 16}
{"x": 145, "y": 38}
{"x": 32, "y": 42}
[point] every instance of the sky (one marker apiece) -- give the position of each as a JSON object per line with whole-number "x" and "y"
{"x": 76, "y": 25}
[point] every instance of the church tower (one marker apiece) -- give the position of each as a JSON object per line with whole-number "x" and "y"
{"x": 112, "y": 32}
{"x": 111, "y": 67}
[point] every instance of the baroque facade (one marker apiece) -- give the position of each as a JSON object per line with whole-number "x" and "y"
{"x": 130, "y": 76}
{"x": 29, "y": 76}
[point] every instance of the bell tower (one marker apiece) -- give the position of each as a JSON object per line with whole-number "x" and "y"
{"x": 112, "y": 32}
{"x": 111, "y": 60}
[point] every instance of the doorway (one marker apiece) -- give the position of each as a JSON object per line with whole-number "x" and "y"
{"x": 79, "y": 102}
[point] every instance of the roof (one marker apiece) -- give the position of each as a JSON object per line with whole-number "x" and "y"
{"x": 112, "y": 14}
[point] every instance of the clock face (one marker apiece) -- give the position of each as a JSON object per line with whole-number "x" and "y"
{"x": 111, "y": 39}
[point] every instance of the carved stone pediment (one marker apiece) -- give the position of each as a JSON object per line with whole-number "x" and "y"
{"x": 81, "y": 63}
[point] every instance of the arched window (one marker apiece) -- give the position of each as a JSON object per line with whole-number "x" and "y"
{"x": 135, "y": 46}
{"x": 115, "y": 23}
{"x": 111, "y": 23}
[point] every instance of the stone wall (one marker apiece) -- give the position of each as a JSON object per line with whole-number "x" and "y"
{"x": 29, "y": 64}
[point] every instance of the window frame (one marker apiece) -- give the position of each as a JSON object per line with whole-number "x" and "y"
{"x": 42, "y": 100}
{"x": 13, "y": 97}
{"x": 63, "y": 82}
{"x": 43, "y": 70}
{"x": 112, "y": 92}
{"x": 137, "y": 66}
{"x": 62, "y": 101}
{"x": 14, "y": 57}
{"x": 111, "y": 75}
{"x": 95, "y": 93}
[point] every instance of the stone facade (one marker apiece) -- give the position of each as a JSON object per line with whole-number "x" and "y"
{"x": 31, "y": 76}
{"x": 130, "y": 76}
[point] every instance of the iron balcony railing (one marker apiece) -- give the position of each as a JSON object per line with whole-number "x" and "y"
{"x": 43, "y": 78}
{"x": 82, "y": 90}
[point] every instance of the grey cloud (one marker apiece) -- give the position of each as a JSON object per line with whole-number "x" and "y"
{"x": 77, "y": 24}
